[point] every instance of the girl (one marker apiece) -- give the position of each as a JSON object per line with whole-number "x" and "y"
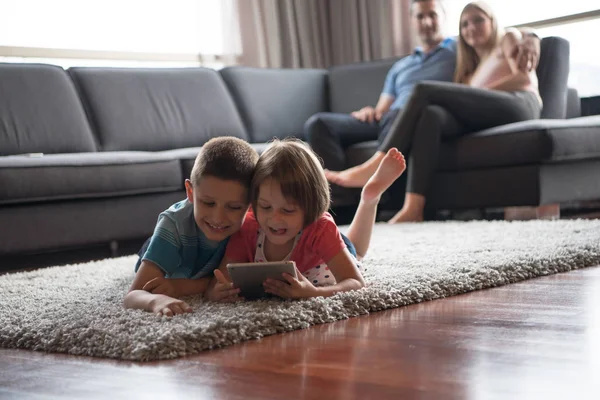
{"x": 290, "y": 197}
{"x": 489, "y": 90}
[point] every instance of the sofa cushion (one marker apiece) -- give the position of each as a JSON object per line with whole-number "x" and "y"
{"x": 354, "y": 86}
{"x": 40, "y": 111}
{"x": 157, "y": 109}
{"x": 276, "y": 102}
{"x": 528, "y": 142}
{"x": 26, "y": 179}
{"x": 521, "y": 143}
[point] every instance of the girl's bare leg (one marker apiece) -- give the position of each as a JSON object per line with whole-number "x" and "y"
{"x": 392, "y": 165}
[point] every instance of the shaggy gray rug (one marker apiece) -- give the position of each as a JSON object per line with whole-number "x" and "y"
{"x": 77, "y": 309}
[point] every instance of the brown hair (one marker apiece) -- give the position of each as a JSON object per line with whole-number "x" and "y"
{"x": 296, "y": 168}
{"x": 467, "y": 59}
{"x": 228, "y": 158}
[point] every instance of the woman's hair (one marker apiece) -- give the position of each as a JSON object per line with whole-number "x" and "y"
{"x": 467, "y": 59}
{"x": 296, "y": 168}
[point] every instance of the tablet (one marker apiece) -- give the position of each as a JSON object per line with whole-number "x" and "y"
{"x": 249, "y": 277}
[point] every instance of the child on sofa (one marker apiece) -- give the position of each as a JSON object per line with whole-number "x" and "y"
{"x": 290, "y": 197}
{"x": 190, "y": 237}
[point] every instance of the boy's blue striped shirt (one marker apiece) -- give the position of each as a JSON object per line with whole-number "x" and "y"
{"x": 180, "y": 248}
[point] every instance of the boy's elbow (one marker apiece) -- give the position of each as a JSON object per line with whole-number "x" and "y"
{"x": 129, "y": 299}
{"x": 361, "y": 282}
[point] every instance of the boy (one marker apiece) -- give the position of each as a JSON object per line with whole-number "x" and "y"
{"x": 190, "y": 237}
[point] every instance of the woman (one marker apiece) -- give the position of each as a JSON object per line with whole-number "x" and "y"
{"x": 489, "y": 90}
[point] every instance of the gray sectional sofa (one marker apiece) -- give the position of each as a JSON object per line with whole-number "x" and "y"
{"x": 92, "y": 155}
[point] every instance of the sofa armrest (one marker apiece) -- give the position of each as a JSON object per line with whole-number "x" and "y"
{"x": 573, "y": 103}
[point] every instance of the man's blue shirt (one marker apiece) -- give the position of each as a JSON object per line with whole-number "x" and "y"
{"x": 437, "y": 65}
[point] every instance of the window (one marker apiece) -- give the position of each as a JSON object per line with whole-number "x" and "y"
{"x": 516, "y": 12}
{"x": 174, "y": 32}
{"x": 585, "y": 63}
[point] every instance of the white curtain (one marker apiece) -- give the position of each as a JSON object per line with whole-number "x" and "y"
{"x": 322, "y": 33}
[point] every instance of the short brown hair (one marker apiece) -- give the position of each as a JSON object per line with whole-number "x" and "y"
{"x": 439, "y": 3}
{"x": 298, "y": 171}
{"x": 228, "y": 158}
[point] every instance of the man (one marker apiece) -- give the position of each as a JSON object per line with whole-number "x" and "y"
{"x": 330, "y": 134}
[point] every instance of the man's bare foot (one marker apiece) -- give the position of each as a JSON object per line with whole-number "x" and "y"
{"x": 355, "y": 177}
{"x": 390, "y": 168}
{"x": 407, "y": 215}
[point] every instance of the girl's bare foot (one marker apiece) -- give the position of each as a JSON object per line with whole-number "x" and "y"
{"x": 358, "y": 176}
{"x": 391, "y": 167}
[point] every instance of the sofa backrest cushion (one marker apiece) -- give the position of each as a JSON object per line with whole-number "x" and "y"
{"x": 276, "y": 102}
{"x": 152, "y": 109}
{"x": 40, "y": 111}
{"x": 553, "y": 76}
{"x": 354, "y": 86}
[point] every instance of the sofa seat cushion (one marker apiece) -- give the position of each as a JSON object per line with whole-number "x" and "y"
{"x": 522, "y": 143}
{"x": 528, "y": 142}
{"x": 51, "y": 177}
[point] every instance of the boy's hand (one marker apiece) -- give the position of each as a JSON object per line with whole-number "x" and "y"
{"x": 296, "y": 288}
{"x": 161, "y": 285}
{"x": 223, "y": 291}
{"x": 168, "y": 306}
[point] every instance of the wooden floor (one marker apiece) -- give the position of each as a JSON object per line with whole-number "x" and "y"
{"x": 535, "y": 339}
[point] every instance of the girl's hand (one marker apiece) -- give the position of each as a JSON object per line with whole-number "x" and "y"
{"x": 296, "y": 288}
{"x": 161, "y": 285}
{"x": 223, "y": 291}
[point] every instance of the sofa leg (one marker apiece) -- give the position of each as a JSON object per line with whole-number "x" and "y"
{"x": 547, "y": 211}
{"x": 114, "y": 248}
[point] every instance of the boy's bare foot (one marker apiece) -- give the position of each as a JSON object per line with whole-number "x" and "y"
{"x": 355, "y": 177}
{"x": 390, "y": 168}
{"x": 406, "y": 215}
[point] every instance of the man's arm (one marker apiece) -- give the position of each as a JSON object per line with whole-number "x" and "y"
{"x": 384, "y": 104}
{"x": 370, "y": 114}
{"x": 386, "y": 99}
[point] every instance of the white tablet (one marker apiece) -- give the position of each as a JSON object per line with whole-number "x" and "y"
{"x": 249, "y": 277}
